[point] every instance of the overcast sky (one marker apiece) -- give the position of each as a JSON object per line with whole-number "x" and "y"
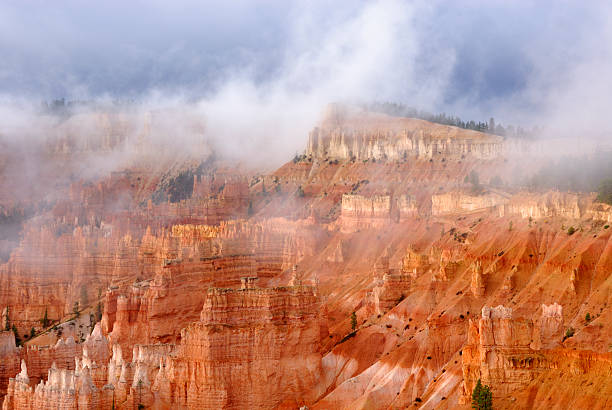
{"x": 512, "y": 59}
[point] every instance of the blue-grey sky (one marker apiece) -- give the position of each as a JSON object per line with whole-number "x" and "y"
{"x": 520, "y": 61}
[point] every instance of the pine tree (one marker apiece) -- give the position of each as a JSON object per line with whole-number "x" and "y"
{"x": 98, "y": 312}
{"x": 353, "y": 321}
{"x": 7, "y": 322}
{"x": 45, "y": 320}
{"x": 482, "y": 398}
{"x": 99, "y": 306}
{"x": 486, "y": 399}
{"x": 84, "y": 296}
{"x": 17, "y": 338}
{"x": 476, "y": 395}
{"x": 250, "y": 209}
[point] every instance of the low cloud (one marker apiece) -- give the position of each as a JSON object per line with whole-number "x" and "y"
{"x": 257, "y": 75}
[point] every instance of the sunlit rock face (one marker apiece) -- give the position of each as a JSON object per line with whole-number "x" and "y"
{"x": 552, "y": 204}
{"x": 257, "y": 357}
{"x": 364, "y": 273}
{"x": 377, "y": 211}
{"x": 367, "y": 136}
{"x": 9, "y": 359}
{"x": 514, "y": 355}
{"x": 266, "y": 355}
{"x": 457, "y": 202}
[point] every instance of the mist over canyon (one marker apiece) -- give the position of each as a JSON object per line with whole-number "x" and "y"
{"x": 307, "y": 205}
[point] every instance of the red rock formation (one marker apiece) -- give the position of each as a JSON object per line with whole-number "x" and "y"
{"x": 251, "y": 348}
{"x": 370, "y": 215}
{"x": 457, "y": 202}
{"x": 359, "y": 212}
{"x": 39, "y": 359}
{"x": 414, "y": 263}
{"x": 196, "y": 258}
{"x": 70, "y": 382}
{"x": 66, "y": 389}
{"x": 477, "y": 285}
{"x": 510, "y": 355}
{"x": 51, "y": 272}
{"x": 375, "y": 136}
{"x": 389, "y": 291}
{"x": 600, "y": 212}
{"x": 376, "y": 212}
{"x": 551, "y": 204}
{"x": 9, "y": 359}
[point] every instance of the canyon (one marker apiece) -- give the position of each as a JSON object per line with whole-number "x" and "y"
{"x": 365, "y": 273}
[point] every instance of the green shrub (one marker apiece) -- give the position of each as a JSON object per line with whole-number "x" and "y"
{"x": 482, "y": 398}
{"x": 587, "y": 317}
{"x": 571, "y": 230}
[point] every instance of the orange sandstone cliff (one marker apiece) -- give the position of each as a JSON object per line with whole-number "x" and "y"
{"x": 366, "y": 273}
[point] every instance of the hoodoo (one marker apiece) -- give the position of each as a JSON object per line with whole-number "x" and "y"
{"x": 361, "y": 274}
{"x": 305, "y": 205}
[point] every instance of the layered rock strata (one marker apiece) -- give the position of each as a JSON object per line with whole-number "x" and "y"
{"x": 506, "y": 353}
{"x": 252, "y": 348}
{"x": 383, "y": 138}
{"x": 375, "y": 212}
{"x": 457, "y": 202}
